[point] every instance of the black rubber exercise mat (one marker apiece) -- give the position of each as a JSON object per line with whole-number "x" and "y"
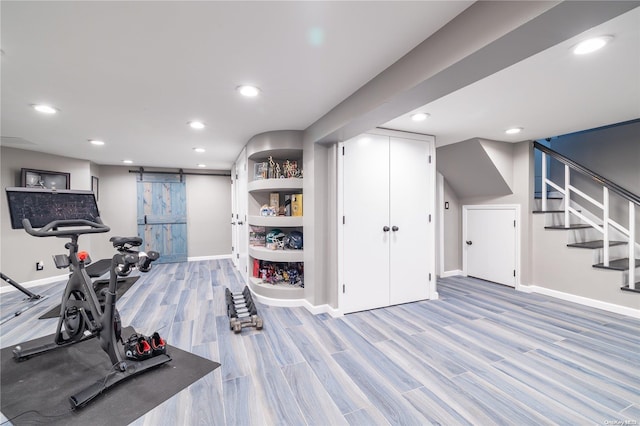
{"x": 36, "y": 391}
{"x": 124, "y": 284}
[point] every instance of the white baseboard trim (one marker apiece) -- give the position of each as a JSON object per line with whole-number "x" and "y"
{"x": 284, "y": 303}
{"x": 451, "y": 273}
{"x": 7, "y": 288}
{"x": 322, "y": 309}
{"x": 214, "y": 257}
{"x": 294, "y": 303}
{"x": 593, "y": 303}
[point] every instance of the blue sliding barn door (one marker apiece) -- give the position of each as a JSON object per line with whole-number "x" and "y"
{"x": 162, "y": 216}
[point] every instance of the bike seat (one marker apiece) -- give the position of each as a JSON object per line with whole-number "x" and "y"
{"x": 121, "y": 241}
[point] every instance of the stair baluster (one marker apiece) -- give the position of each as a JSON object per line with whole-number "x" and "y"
{"x": 607, "y": 222}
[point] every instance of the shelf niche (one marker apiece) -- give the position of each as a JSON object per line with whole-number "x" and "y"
{"x": 281, "y": 146}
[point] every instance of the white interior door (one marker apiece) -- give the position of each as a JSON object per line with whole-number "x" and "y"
{"x": 234, "y": 215}
{"x": 490, "y": 243}
{"x": 366, "y": 214}
{"x": 241, "y": 221}
{"x": 410, "y": 246}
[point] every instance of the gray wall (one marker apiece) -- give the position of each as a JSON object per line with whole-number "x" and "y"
{"x": 209, "y": 215}
{"x": 452, "y": 218}
{"x": 443, "y": 63}
{"x": 545, "y": 260}
{"x": 568, "y": 270}
{"x": 208, "y": 211}
{"x": 522, "y": 186}
{"x": 19, "y": 251}
{"x": 612, "y": 152}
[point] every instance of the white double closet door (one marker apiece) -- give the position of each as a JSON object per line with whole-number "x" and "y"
{"x": 387, "y": 235}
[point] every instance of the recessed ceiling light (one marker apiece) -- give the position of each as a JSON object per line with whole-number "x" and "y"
{"x": 591, "y": 45}
{"x": 46, "y": 109}
{"x": 196, "y": 124}
{"x": 127, "y": 161}
{"x": 202, "y": 165}
{"x": 421, "y": 116}
{"x": 513, "y": 130}
{"x": 96, "y": 142}
{"x": 248, "y": 91}
{"x": 199, "y": 149}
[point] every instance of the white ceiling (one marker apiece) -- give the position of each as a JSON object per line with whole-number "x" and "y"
{"x": 134, "y": 73}
{"x": 549, "y": 94}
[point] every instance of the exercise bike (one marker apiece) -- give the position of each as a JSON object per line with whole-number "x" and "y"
{"x": 83, "y": 314}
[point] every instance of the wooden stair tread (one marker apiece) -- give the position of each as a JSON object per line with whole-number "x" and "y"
{"x": 555, "y": 197}
{"x": 597, "y": 244}
{"x": 634, "y": 290}
{"x": 618, "y": 264}
{"x": 574, "y": 226}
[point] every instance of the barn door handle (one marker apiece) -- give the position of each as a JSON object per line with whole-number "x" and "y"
{"x": 385, "y": 228}
{"x": 394, "y": 228}
{"x": 469, "y": 243}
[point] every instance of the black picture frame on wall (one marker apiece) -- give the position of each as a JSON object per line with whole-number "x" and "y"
{"x": 95, "y": 187}
{"x": 33, "y": 178}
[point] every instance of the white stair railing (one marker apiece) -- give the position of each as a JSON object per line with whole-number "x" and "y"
{"x": 567, "y": 189}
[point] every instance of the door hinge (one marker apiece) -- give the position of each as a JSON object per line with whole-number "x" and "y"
{"x": 237, "y": 255}
{"x": 514, "y": 272}
{"x": 429, "y": 218}
{"x": 514, "y": 223}
{"x": 246, "y": 268}
{"x": 343, "y": 150}
{"x": 429, "y": 276}
{"x": 343, "y": 220}
{"x": 429, "y": 159}
{"x": 236, "y": 176}
{"x": 343, "y": 288}
{"x": 232, "y": 249}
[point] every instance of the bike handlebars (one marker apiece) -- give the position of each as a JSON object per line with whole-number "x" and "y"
{"x": 51, "y": 228}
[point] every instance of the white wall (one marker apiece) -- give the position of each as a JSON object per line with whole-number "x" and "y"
{"x": 208, "y": 212}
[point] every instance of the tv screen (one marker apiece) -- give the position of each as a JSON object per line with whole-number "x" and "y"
{"x": 42, "y": 206}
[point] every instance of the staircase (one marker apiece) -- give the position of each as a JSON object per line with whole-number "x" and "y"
{"x": 614, "y": 244}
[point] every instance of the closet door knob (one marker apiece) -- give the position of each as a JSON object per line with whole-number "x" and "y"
{"x": 469, "y": 243}
{"x": 394, "y": 228}
{"x": 240, "y": 222}
{"x": 385, "y": 228}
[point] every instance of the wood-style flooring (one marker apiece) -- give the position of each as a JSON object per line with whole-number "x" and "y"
{"x": 483, "y": 354}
